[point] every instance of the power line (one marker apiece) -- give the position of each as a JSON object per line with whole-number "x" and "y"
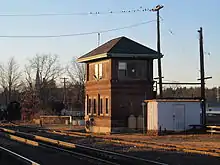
{"x": 141, "y": 9}
{"x": 77, "y": 34}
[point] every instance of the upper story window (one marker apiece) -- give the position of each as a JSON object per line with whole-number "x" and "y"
{"x": 122, "y": 69}
{"x": 87, "y": 72}
{"x": 133, "y": 69}
{"x": 98, "y": 71}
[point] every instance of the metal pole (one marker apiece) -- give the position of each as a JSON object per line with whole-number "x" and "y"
{"x": 143, "y": 111}
{"x": 64, "y": 87}
{"x": 217, "y": 94}
{"x": 202, "y": 73}
{"x": 159, "y": 59}
{"x": 157, "y": 9}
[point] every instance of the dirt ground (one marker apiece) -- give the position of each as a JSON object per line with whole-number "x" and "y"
{"x": 169, "y": 155}
{"x": 194, "y": 149}
{"x": 201, "y": 142}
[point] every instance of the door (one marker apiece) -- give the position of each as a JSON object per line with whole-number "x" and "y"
{"x": 178, "y": 117}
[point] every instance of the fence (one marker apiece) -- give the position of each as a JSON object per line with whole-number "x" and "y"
{"x": 213, "y": 129}
{"x": 56, "y": 119}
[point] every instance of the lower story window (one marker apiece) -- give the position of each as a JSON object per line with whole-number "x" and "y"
{"x": 94, "y": 106}
{"x": 101, "y": 110}
{"x": 106, "y": 106}
{"x": 89, "y": 106}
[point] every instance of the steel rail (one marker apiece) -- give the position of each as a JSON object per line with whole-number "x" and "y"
{"x": 82, "y": 147}
{"x": 79, "y": 154}
{"x": 74, "y": 154}
{"x": 19, "y": 157}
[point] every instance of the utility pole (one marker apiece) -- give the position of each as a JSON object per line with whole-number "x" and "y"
{"x": 98, "y": 39}
{"x": 217, "y": 94}
{"x": 202, "y": 77}
{"x": 64, "y": 87}
{"x": 157, "y": 9}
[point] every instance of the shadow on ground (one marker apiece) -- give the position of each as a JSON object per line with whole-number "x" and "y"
{"x": 175, "y": 158}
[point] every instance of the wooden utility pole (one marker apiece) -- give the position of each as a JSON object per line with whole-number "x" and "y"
{"x": 64, "y": 88}
{"x": 157, "y": 9}
{"x": 202, "y": 77}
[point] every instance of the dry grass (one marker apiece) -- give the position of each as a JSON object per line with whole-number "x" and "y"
{"x": 199, "y": 144}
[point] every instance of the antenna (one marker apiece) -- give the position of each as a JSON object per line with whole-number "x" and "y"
{"x": 98, "y": 39}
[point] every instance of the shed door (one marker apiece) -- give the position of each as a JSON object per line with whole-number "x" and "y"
{"x": 179, "y": 117}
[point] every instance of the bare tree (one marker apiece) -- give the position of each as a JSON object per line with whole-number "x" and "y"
{"x": 10, "y": 77}
{"x": 43, "y": 70}
{"x": 76, "y": 72}
{"x": 47, "y": 65}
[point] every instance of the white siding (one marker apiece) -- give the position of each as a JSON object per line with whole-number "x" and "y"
{"x": 176, "y": 116}
{"x": 165, "y": 115}
{"x": 193, "y": 113}
{"x": 152, "y": 116}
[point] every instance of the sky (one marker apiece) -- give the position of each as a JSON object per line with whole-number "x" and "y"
{"x": 179, "y": 37}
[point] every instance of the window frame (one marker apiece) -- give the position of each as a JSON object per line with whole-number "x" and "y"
{"x": 100, "y": 70}
{"x": 124, "y": 70}
{"x": 101, "y": 106}
{"x": 87, "y": 72}
{"x": 96, "y": 71}
{"x": 89, "y": 111}
{"x": 107, "y": 107}
{"x": 94, "y": 106}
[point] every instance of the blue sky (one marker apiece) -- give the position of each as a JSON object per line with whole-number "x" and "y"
{"x": 183, "y": 18}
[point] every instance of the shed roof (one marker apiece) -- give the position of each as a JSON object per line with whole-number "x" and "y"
{"x": 213, "y": 104}
{"x": 120, "y": 47}
{"x": 173, "y": 100}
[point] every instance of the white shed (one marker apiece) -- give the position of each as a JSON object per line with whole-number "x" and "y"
{"x": 172, "y": 115}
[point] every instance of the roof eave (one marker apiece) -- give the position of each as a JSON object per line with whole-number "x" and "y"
{"x": 124, "y": 55}
{"x": 86, "y": 59}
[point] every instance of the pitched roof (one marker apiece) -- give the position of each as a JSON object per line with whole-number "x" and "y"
{"x": 121, "y": 45}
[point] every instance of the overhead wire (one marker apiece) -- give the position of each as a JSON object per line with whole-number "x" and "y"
{"x": 76, "y": 34}
{"x": 138, "y": 10}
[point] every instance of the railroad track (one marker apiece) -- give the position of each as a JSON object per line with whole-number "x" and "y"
{"x": 169, "y": 147}
{"x": 106, "y": 157}
{"x": 4, "y": 152}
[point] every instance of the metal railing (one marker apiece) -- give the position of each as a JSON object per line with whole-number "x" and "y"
{"x": 213, "y": 129}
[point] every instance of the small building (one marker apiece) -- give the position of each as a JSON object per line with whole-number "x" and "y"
{"x": 212, "y": 106}
{"x": 119, "y": 76}
{"x": 213, "y": 117}
{"x": 172, "y": 115}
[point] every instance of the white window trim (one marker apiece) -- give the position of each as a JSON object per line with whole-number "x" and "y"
{"x": 98, "y": 71}
{"x": 100, "y": 65}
